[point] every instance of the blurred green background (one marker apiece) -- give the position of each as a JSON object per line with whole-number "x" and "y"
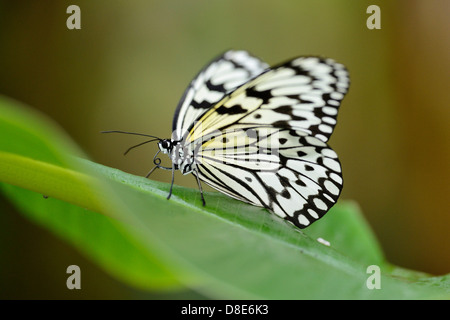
{"x": 131, "y": 61}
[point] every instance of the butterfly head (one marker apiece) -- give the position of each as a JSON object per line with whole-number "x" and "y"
{"x": 165, "y": 145}
{"x": 176, "y": 152}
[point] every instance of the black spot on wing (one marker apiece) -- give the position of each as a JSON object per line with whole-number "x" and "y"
{"x": 201, "y": 105}
{"x": 215, "y": 87}
{"x": 300, "y": 183}
{"x": 289, "y": 110}
{"x": 286, "y": 109}
{"x": 285, "y": 194}
{"x": 236, "y": 109}
{"x": 263, "y": 95}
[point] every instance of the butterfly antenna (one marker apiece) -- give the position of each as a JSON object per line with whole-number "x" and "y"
{"x": 134, "y": 133}
{"x": 138, "y": 145}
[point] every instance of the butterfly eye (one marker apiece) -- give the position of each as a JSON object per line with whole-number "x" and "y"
{"x": 166, "y": 144}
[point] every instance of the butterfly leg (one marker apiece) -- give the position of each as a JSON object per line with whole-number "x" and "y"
{"x": 156, "y": 167}
{"x": 157, "y": 162}
{"x": 151, "y": 171}
{"x": 200, "y": 188}
{"x": 171, "y": 184}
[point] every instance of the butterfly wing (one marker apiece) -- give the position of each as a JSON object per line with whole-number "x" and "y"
{"x": 302, "y": 94}
{"x": 265, "y": 143}
{"x": 219, "y": 77}
{"x": 295, "y": 175}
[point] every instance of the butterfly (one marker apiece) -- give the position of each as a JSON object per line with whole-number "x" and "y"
{"x": 259, "y": 134}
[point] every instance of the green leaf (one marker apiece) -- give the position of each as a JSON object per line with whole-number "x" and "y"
{"x": 227, "y": 249}
{"x": 35, "y": 155}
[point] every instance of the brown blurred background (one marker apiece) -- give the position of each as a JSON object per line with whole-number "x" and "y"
{"x": 131, "y": 61}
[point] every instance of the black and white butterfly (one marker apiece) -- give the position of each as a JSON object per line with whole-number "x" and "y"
{"x": 259, "y": 134}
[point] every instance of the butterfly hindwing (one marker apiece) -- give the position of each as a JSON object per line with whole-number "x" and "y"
{"x": 298, "y": 180}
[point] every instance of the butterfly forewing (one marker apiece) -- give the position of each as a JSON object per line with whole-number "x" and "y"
{"x": 265, "y": 142}
{"x": 302, "y": 94}
{"x": 219, "y": 77}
